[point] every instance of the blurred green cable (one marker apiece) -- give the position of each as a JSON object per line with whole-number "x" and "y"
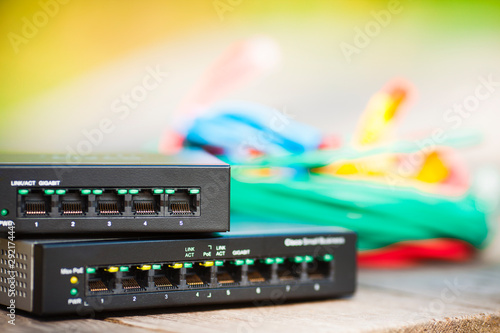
{"x": 380, "y": 214}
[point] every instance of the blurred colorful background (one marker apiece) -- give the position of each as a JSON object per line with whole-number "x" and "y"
{"x": 92, "y": 76}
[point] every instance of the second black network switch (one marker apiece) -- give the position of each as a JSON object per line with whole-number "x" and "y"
{"x": 86, "y": 276}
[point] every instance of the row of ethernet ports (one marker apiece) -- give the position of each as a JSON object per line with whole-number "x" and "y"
{"x": 57, "y": 202}
{"x": 207, "y": 274}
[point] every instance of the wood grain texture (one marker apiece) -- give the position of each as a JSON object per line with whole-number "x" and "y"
{"x": 30, "y": 324}
{"x": 435, "y": 298}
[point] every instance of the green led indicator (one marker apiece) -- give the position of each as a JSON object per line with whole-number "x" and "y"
{"x": 158, "y": 191}
{"x": 279, "y": 260}
{"x": 124, "y": 268}
{"x": 4, "y": 212}
{"x": 122, "y": 191}
{"x": 23, "y": 191}
{"x": 90, "y": 270}
{"x": 269, "y": 261}
{"x": 239, "y": 262}
{"x": 169, "y": 191}
{"x": 328, "y": 257}
{"x": 133, "y": 191}
{"x": 97, "y": 192}
{"x": 156, "y": 266}
{"x": 249, "y": 261}
{"x": 73, "y": 291}
{"x": 60, "y": 192}
{"x": 188, "y": 265}
{"x": 219, "y": 263}
{"x": 298, "y": 259}
{"x": 194, "y": 191}
{"x": 308, "y": 259}
{"x": 49, "y": 192}
{"x": 85, "y": 192}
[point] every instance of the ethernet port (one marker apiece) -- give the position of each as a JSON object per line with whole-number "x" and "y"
{"x": 135, "y": 279}
{"x": 320, "y": 269}
{"x": 184, "y": 202}
{"x": 228, "y": 275}
{"x": 109, "y": 203}
{"x": 35, "y": 203}
{"x": 289, "y": 271}
{"x": 260, "y": 272}
{"x": 146, "y": 203}
{"x": 73, "y": 203}
{"x": 166, "y": 278}
{"x": 198, "y": 276}
{"x": 100, "y": 280}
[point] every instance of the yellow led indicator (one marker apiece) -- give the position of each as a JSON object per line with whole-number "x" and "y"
{"x": 145, "y": 267}
{"x": 73, "y": 280}
{"x": 207, "y": 263}
{"x": 113, "y": 269}
{"x": 176, "y": 265}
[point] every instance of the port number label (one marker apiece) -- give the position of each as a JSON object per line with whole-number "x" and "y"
{"x": 145, "y": 223}
{"x": 73, "y": 223}
{"x": 109, "y": 223}
{"x": 36, "y": 224}
{"x": 197, "y": 294}
{"x": 166, "y": 296}
{"x": 134, "y": 298}
{"x": 181, "y": 223}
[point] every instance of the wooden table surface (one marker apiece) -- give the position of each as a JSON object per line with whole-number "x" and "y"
{"x": 431, "y": 298}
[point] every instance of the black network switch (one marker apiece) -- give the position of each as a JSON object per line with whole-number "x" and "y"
{"x": 85, "y": 276}
{"x": 188, "y": 192}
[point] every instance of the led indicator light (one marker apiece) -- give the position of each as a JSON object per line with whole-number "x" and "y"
{"x": 176, "y": 265}
{"x": 112, "y": 269}
{"x": 133, "y": 191}
{"x": 279, "y": 260}
{"x": 194, "y": 191}
{"x": 49, "y": 192}
{"x": 4, "y": 212}
{"x": 308, "y": 259}
{"x": 158, "y": 191}
{"x": 328, "y": 257}
{"x": 73, "y": 280}
{"x": 169, "y": 191}
{"x": 298, "y": 259}
{"x": 90, "y": 270}
{"x": 187, "y": 265}
{"x": 124, "y": 268}
{"x": 145, "y": 267}
{"x": 157, "y": 266}
{"x": 85, "y": 191}
{"x": 239, "y": 262}
{"x": 60, "y": 192}
{"x": 73, "y": 291}
{"x": 23, "y": 191}
{"x": 97, "y": 192}
{"x": 219, "y": 263}
{"x": 122, "y": 191}
{"x": 249, "y": 261}
{"x": 207, "y": 263}
{"x": 269, "y": 261}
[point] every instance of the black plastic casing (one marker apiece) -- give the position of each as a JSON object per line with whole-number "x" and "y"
{"x": 190, "y": 169}
{"x": 47, "y": 266}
